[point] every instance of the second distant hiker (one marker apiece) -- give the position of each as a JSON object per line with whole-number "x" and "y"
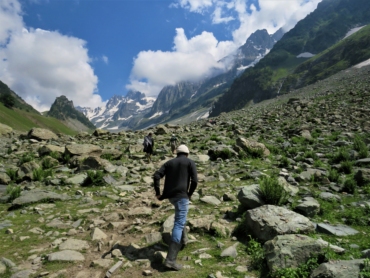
{"x": 148, "y": 145}
{"x": 173, "y": 143}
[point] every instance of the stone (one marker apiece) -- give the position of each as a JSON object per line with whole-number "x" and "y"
{"x": 251, "y": 146}
{"x": 249, "y": 196}
{"x": 47, "y": 149}
{"x": 113, "y": 269}
{"x": 83, "y": 150}
{"x": 4, "y": 178}
{"x": 338, "y": 230}
{"x": 105, "y": 263}
{"x": 230, "y": 251}
{"x": 289, "y": 251}
{"x": 212, "y": 200}
{"x": 308, "y": 207}
{"x": 98, "y": 234}
{"x": 66, "y": 255}
{"x": 41, "y": 134}
{"x": 140, "y": 211}
{"x": 5, "y": 130}
{"x": 268, "y": 221}
{"x": 22, "y": 274}
{"x": 74, "y": 244}
{"x": 153, "y": 237}
{"x": 37, "y": 195}
{"x": 338, "y": 269}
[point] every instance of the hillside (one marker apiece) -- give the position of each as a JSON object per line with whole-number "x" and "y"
{"x": 64, "y": 110}
{"x": 283, "y": 192}
{"x": 22, "y": 120}
{"x": 18, "y": 101}
{"x": 342, "y": 55}
{"x": 324, "y": 27}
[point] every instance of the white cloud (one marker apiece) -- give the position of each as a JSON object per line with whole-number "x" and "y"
{"x": 198, "y": 56}
{"x": 10, "y": 19}
{"x": 105, "y": 59}
{"x": 190, "y": 60}
{"x": 41, "y": 65}
{"x": 197, "y": 6}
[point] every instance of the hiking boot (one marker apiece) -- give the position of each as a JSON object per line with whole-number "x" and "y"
{"x": 173, "y": 250}
{"x": 184, "y": 238}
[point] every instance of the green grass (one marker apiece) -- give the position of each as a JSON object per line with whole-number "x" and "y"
{"x": 24, "y": 121}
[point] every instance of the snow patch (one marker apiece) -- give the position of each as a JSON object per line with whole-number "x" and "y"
{"x": 363, "y": 64}
{"x": 306, "y": 55}
{"x": 124, "y": 119}
{"x": 156, "y": 115}
{"x": 204, "y": 116}
{"x": 113, "y": 128}
{"x": 352, "y": 31}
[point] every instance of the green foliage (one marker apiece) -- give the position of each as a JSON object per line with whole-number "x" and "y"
{"x": 255, "y": 251}
{"x": 272, "y": 192}
{"x": 350, "y": 185}
{"x": 357, "y": 216}
{"x": 360, "y": 146}
{"x": 40, "y": 174}
{"x": 365, "y": 271}
{"x": 346, "y": 167}
{"x": 333, "y": 175}
{"x": 341, "y": 155}
{"x": 13, "y": 191}
{"x": 302, "y": 271}
{"x": 12, "y": 173}
{"x": 310, "y": 154}
{"x": 284, "y": 162}
{"x": 48, "y": 163}
{"x": 94, "y": 178}
{"x": 255, "y": 152}
{"x": 8, "y": 100}
{"x": 215, "y": 138}
{"x": 224, "y": 153}
{"x": 55, "y": 155}
{"x": 27, "y": 157}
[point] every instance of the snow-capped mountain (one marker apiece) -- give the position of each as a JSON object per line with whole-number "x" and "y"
{"x": 120, "y": 112}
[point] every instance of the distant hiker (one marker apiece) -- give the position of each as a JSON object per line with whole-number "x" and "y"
{"x": 179, "y": 185}
{"x": 173, "y": 143}
{"x": 148, "y": 145}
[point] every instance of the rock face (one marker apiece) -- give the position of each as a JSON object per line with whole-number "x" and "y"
{"x": 338, "y": 269}
{"x": 5, "y": 130}
{"x": 290, "y": 251}
{"x": 251, "y": 146}
{"x": 83, "y": 150}
{"x": 249, "y": 196}
{"x": 268, "y": 221}
{"x": 41, "y": 134}
{"x": 35, "y": 196}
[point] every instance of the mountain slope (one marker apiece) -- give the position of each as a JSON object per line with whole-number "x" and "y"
{"x": 18, "y": 101}
{"x": 319, "y": 30}
{"x": 64, "y": 110}
{"x": 348, "y": 52}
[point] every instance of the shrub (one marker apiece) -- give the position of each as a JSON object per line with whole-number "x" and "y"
{"x": 284, "y": 162}
{"x": 48, "y": 163}
{"x": 341, "y": 155}
{"x": 27, "y": 157}
{"x": 272, "y": 192}
{"x": 256, "y": 253}
{"x": 356, "y": 216}
{"x": 346, "y": 167}
{"x": 39, "y": 174}
{"x": 360, "y": 146}
{"x": 13, "y": 191}
{"x": 55, "y": 155}
{"x": 310, "y": 154}
{"x": 255, "y": 153}
{"x": 350, "y": 185}
{"x": 301, "y": 271}
{"x": 333, "y": 175}
{"x": 94, "y": 178}
{"x": 12, "y": 173}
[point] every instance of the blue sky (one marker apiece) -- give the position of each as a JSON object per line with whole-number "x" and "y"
{"x": 90, "y": 50}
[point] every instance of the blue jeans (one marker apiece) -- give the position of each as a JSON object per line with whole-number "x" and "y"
{"x": 181, "y": 211}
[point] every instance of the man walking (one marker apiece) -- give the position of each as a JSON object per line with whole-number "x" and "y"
{"x": 148, "y": 145}
{"x": 180, "y": 183}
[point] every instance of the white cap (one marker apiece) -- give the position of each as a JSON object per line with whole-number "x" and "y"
{"x": 173, "y": 134}
{"x": 182, "y": 149}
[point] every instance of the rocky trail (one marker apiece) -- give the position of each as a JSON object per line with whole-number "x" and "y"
{"x": 284, "y": 186}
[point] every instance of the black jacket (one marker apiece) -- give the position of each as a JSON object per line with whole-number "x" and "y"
{"x": 179, "y": 172}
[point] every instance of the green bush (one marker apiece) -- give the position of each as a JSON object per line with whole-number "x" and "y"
{"x": 357, "y": 216}
{"x": 256, "y": 253}
{"x": 360, "y": 146}
{"x": 12, "y": 173}
{"x": 94, "y": 178}
{"x": 284, "y": 162}
{"x": 48, "y": 163}
{"x": 341, "y": 155}
{"x": 39, "y": 174}
{"x": 346, "y": 167}
{"x": 55, "y": 155}
{"x": 350, "y": 185}
{"x": 272, "y": 192}
{"x": 27, "y": 157}
{"x": 333, "y": 175}
{"x": 13, "y": 191}
{"x": 310, "y": 154}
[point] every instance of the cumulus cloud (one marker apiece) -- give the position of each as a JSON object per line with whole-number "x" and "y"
{"x": 191, "y": 59}
{"x": 199, "y": 56}
{"x": 105, "y": 59}
{"x": 41, "y": 65}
